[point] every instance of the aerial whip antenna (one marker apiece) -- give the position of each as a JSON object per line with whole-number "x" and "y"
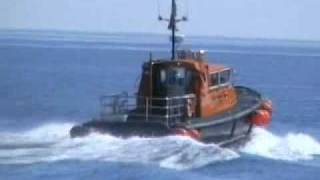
{"x": 187, "y": 8}
{"x": 173, "y": 26}
{"x": 158, "y": 5}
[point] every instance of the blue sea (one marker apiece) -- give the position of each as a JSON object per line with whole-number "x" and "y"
{"x": 51, "y": 80}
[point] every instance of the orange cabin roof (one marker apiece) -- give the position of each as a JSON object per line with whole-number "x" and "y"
{"x": 214, "y": 68}
{"x": 196, "y": 64}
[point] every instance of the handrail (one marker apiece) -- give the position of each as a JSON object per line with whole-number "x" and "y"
{"x": 153, "y": 98}
{"x": 165, "y": 109}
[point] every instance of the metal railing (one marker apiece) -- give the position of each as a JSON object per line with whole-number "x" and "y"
{"x": 165, "y": 110}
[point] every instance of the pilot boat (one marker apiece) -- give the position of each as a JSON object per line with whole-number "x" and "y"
{"x": 183, "y": 95}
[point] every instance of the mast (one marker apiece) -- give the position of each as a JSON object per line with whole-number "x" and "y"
{"x": 173, "y": 26}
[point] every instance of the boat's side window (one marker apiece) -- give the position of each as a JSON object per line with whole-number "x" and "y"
{"x": 220, "y": 79}
{"x": 214, "y": 79}
{"x": 224, "y": 77}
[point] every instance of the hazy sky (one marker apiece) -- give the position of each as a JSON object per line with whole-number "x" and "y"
{"x": 288, "y": 19}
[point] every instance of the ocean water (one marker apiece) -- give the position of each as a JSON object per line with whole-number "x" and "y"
{"x": 50, "y": 81}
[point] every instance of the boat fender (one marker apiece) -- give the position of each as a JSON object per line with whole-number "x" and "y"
{"x": 195, "y": 134}
{"x": 261, "y": 117}
{"x": 267, "y": 105}
{"x": 192, "y": 133}
{"x": 181, "y": 132}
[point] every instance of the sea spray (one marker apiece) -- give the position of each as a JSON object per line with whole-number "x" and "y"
{"x": 51, "y": 143}
{"x": 291, "y": 147}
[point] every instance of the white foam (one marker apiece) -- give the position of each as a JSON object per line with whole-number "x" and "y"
{"x": 291, "y": 147}
{"x": 48, "y": 133}
{"x": 52, "y": 143}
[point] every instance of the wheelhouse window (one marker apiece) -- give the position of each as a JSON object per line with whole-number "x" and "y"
{"x": 214, "y": 79}
{"x": 224, "y": 77}
{"x": 175, "y": 76}
{"x": 220, "y": 78}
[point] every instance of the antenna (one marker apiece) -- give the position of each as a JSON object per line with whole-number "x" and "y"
{"x": 173, "y": 25}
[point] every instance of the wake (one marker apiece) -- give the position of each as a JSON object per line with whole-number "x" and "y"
{"x": 51, "y": 142}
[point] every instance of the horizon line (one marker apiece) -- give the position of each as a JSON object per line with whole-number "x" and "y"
{"x": 222, "y": 37}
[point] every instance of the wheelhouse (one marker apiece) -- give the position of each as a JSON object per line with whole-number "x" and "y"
{"x": 178, "y": 90}
{"x": 189, "y": 75}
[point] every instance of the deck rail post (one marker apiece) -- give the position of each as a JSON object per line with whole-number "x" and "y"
{"x": 168, "y": 110}
{"x": 147, "y": 109}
